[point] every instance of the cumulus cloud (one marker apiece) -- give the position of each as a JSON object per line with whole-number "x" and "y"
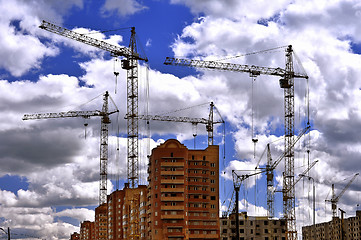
{"x": 233, "y": 9}
{"x": 324, "y": 46}
{"x": 123, "y": 7}
{"x": 52, "y": 149}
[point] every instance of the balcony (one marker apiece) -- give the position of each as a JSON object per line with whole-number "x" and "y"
{"x": 172, "y": 190}
{"x": 172, "y": 173}
{"x": 172, "y": 181}
{"x": 171, "y": 216}
{"x": 204, "y": 236}
{"x": 172, "y": 164}
{"x": 172, "y": 208}
{"x": 174, "y": 199}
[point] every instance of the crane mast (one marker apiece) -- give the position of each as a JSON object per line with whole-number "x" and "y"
{"x": 130, "y": 64}
{"x": 287, "y": 83}
{"x": 105, "y": 121}
{"x": 270, "y": 183}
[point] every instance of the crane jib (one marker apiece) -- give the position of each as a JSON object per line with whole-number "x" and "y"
{"x": 252, "y": 69}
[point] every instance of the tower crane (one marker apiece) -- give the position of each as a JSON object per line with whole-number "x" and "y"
{"x": 334, "y": 199}
{"x": 105, "y": 121}
{"x": 287, "y": 83}
{"x": 130, "y": 64}
{"x": 208, "y": 122}
{"x": 238, "y": 179}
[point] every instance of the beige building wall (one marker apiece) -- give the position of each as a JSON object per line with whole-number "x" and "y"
{"x": 350, "y": 228}
{"x": 252, "y": 228}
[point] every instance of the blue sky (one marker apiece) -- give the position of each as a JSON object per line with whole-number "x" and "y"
{"x": 49, "y": 171}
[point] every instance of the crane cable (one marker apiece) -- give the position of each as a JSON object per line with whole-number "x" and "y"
{"x": 254, "y": 138}
{"x": 116, "y": 73}
{"x": 252, "y": 53}
{"x": 147, "y": 109}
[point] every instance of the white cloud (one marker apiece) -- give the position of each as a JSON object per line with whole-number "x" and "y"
{"x": 50, "y": 150}
{"x": 234, "y": 9}
{"x": 123, "y": 7}
{"x": 80, "y": 214}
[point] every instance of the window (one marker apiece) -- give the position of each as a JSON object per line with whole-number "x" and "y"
{"x": 212, "y": 181}
{"x": 213, "y": 164}
{"x": 225, "y": 230}
{"x": 213, "y": 197}
{"x": 213, "y": 206}
{"x": 171, "y": 154}
{"x": 213, "y": 189}
{"x": 204, "y": 157}
{"x": 213, "y": 173}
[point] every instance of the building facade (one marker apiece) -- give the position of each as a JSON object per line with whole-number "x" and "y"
{"x": 336, "y": 229}
{"x": 183, "y": 192}
{"x": 75, "y": 236}
{"x": 252, "y": 228}
{"x": 127, "y": 211}
{"x": 87, "y": 230}
{"x": 101, "y": 222}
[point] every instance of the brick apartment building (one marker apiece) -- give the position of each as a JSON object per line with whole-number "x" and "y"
{"x": 252, "y": 228}
{"x": 101, "y": 222}
{"x": 75, "y": 236}
{"x": 127, "y": 212}
{"x": 87, "y": 230}
{"x": 183, "y": 192}
{"x": 334, "y": 229}
{"x": 180, "y": 202}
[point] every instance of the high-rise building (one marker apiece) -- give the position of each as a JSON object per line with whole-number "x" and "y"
{"x": 252, "y": 227}
{"x": 87, "y": 230}
{"x": 183, "y": 192}
{"x": 127, "y": 213}
{"x": 101, "y": 222}
{"x": 348, "y": 228}
{"x": 75, "y": 236}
